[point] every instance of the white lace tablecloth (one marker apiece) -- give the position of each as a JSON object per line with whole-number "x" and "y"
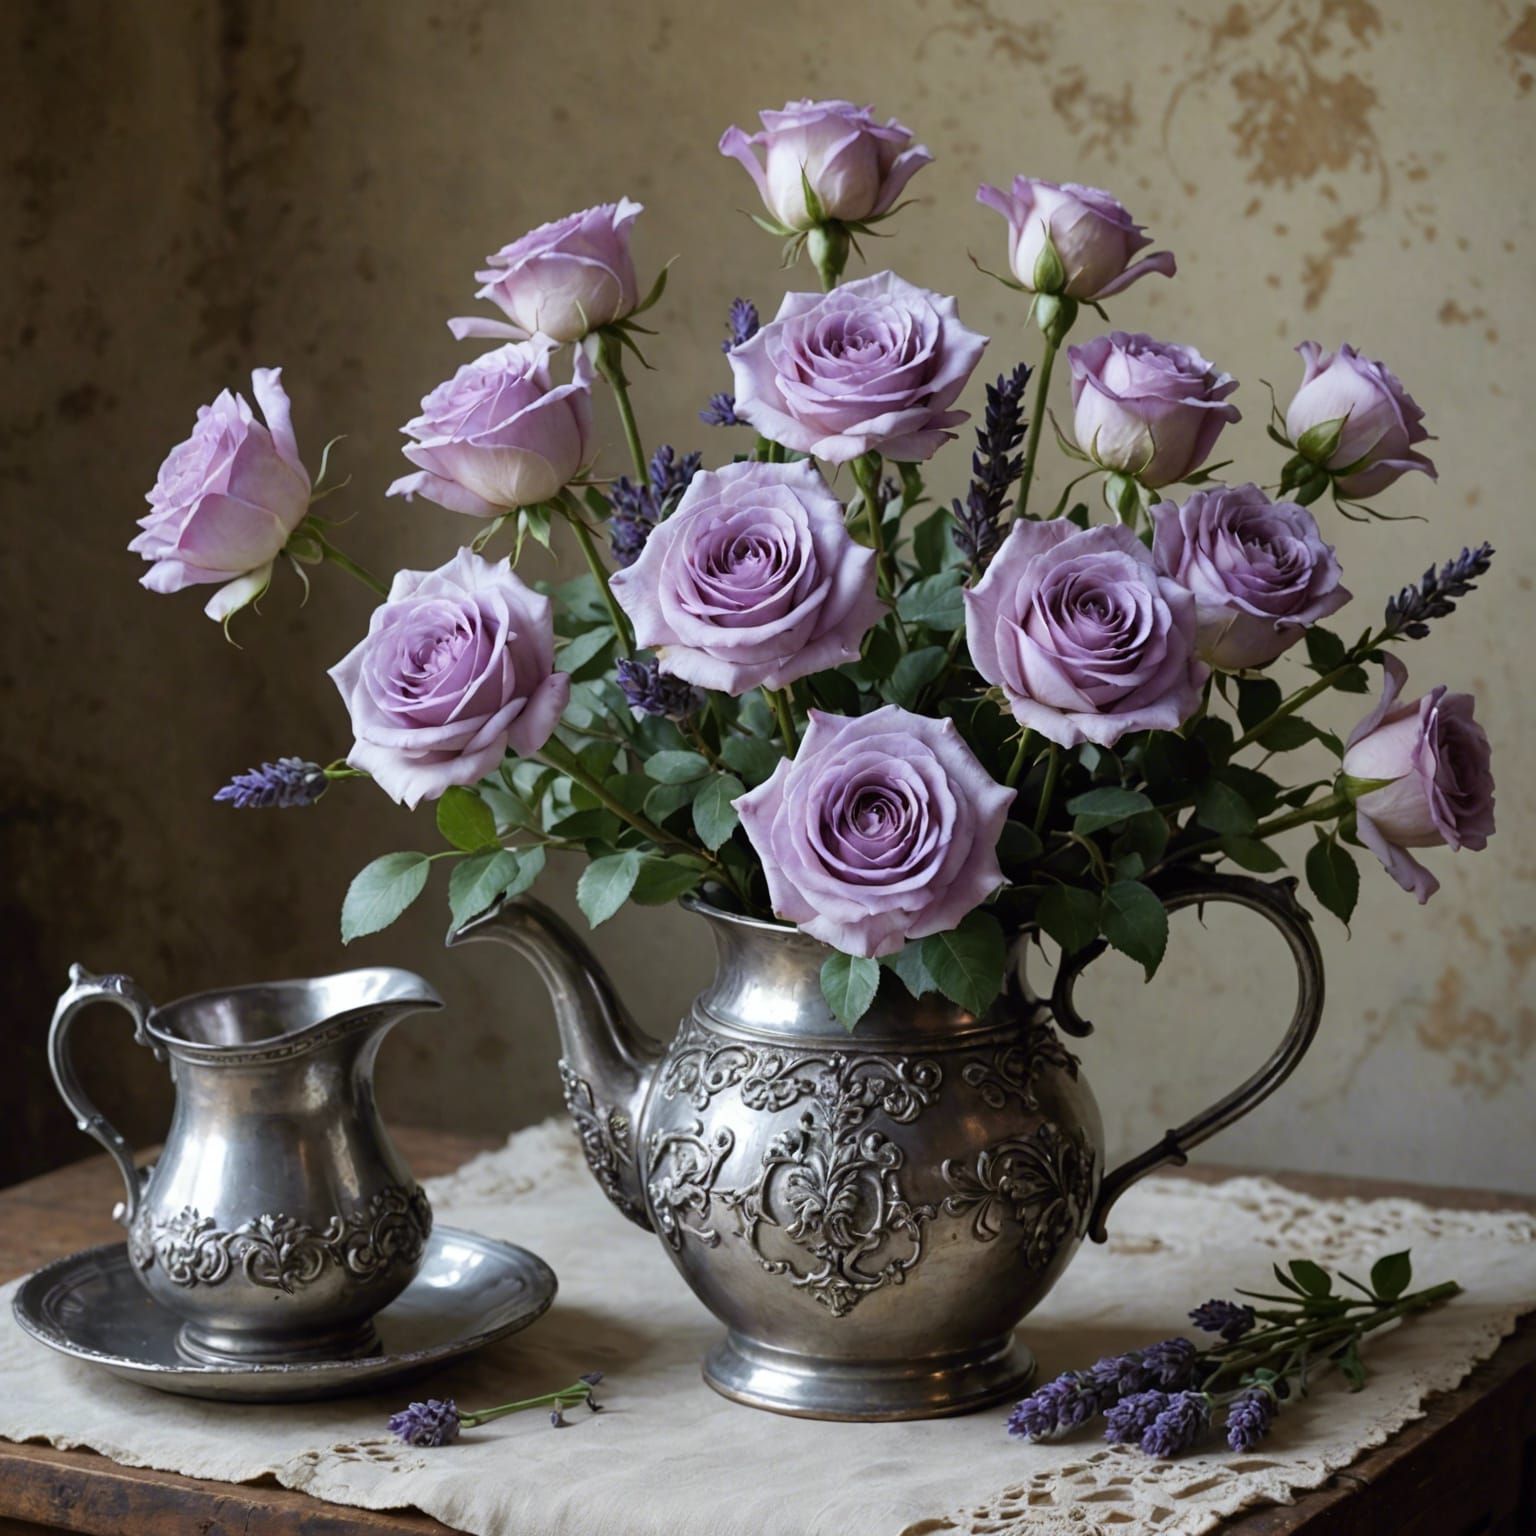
{"x": 670, "y": 1458}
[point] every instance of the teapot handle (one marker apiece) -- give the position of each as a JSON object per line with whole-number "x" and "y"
{"x": 1275, "y": 901}
{"x": 85, "y": 989}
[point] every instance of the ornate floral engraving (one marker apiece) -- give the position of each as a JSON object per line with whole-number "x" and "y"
{"x": 827, "y": 1207}
{"x": 606, "y": 1140}
{"x": 1013, "y": 1069}
{"x": 683, "y": 1167}
{"x": 1043, "y": 1182}
{"x": 280, "y": 1252}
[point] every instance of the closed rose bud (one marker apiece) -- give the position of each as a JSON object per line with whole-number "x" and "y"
{"x": 1438, "y": 760}
{"x": 856, "y": 167}
{"x": 1072, "y": 240}
{"x": 1352, "y": 417}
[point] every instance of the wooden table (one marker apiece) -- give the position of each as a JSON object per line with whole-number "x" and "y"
{"x": 1467, "y": 1468}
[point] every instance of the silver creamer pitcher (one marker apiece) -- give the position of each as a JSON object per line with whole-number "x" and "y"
{"x": 279, "y": 1218}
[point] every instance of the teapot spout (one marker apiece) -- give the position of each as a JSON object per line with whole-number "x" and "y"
{"x": 606, "y": 1063}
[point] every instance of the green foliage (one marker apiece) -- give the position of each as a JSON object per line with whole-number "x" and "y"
{"x": 1107, "y": 807}
{"x": 1333, "y": 876}
{"x": 1070, "y": 915}
{"x": 676, "y": 767}
{"x": 605, "y": 885}
{"x": 849, "y": 984}
{"x": 485, "y": 878}
{"x": 381, "y": 891}
{"x": 1136, "y": 923}
{"x": 465, "y": 820}
{"x": 967, "y": 963}
{"x": 714, "y": 817}
{"x": 1392, "y": 1275}
{"x": 935, "y": 602}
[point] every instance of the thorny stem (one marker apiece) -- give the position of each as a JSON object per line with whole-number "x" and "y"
{"x": 1036, "y": 423}
{"x": 610, "y": 364}
{"x": 780, "y": 701}
{"x": 616, "y": 614}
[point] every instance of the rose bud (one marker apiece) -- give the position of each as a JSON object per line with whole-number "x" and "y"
{"x": 457, "y": 669}
{"x": 226, "y": 500}
{"x": 1072, "y": 240}
{"x": 1148, "y": 409}
{"x": 855, "y": 167}
{"x": 754, "y": 581}
{"x": 872, "y": 367}
{"x": 881, "y": 829}
{"x": 562, "y": 280}
{"x": 1439, "y": 762}
{"x": 1083, "y": 636}
{"x": 1259, "y": 571}
{"x": 500, "y": 434}
{"x": 1352, "y": 417}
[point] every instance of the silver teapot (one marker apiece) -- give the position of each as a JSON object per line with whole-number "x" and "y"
{"x": 871, "y": 1215}
{"x": 279, "y": 1219}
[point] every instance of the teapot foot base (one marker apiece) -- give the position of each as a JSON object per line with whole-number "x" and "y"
{"x": 219, "y": 1347}
{"x": 817, "y": 1387}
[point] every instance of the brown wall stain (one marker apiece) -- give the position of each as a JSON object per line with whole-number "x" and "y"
{"x": 1486, "y": 1055}
{"x": 1520, "y": 45}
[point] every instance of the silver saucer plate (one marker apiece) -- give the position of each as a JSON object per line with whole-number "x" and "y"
{"x": 470, "y": 1290}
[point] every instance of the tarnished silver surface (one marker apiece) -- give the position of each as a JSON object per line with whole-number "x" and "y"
{"x": 279, "y": 1218}
{"x": 469, "y": 1291}
{"x": 870, "y": 1215}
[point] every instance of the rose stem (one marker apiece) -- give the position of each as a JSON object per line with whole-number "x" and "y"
{"x": 610, "y": 363}
{"x": 1047, "y": 789}
{"x": 595, "y": 565}
{"x": 1321, "y": 810}
{"x": 866, "y": 473}
{"x": 348, "y": 564}
{"x": 1036, "y": 422}
{"x": 780, "y": 701}
{"x": 1303, "y": 696}
{"x": 1017, "y": 766}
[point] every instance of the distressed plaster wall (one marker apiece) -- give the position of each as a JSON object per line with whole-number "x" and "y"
{"x": 192, "y": 189}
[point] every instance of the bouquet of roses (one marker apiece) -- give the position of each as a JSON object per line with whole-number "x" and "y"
{"x": 803, "y": 684}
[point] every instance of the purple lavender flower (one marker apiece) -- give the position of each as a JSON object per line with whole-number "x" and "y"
{"x": 638, "y": 508}
{"x": 1411, "y": 610}
{"x": 1249, "y": 1417}
{"x": 288, "y": 782}
{"x": 1129, "y": 1419}
{"x": 1178, "y": 1426}
{"x": 556, "y": 1418}
{"x": 1063, "y": 1404}
{"x": 651, "y": 691}
{"x": 595, "y": 1378}
{"x": 994, "y": 468}
{"x": 434, "y": 1422}
{"x": 742, "y": 325}
{"x": 1230, "y": 1319}
{"x": 721, "y": 411}
{"x": 1171, "y": 1362}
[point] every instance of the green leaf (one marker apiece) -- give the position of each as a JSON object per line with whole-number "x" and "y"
{"x": 932, "y": 546}
{"x": 753, "y": 759}
{"x": 465, "y": 820}
{"x": 665, "y": 879}
{"x": 1136, "y": 923}
{"x": 714, "y": 817}
{"x": 908, "y": 964}
{"x": 935, "y": 601}
{"x": 667, "y": 799}
{"x": 968, "y": 963}
{"x": 1353, "y": 680}
{"x": 1250, "y": 853}
{"x": 585, "y": 651}
{"x": 1070, "y": 915}
{"x": 1351, "y": 1366}
{"x": 913, "y": 673}
{"x": 605, "y": 885}
{"x": 1257, "y": 699}
{"x": 380, "y": 892}
{"x": 1333, "y": 876}
{"x": 1222, "y": 809}
{"x": 483, "y": 878}
{"x": 1390, "y": 1275}
{"x": 1146, "y": 834}
{"x": 1324, "y": 649}
{"x": 881, "y": 653}
{"x": 1287, "y": 1282}
{"x": 849, "y": 984}
{"x": 1018, "y": 844}
{"x": 1106, "y": 807}
{"x": 676, "y": 767}
{"x": 1287, "y": 734}
{"x": 1312, "y": 1278}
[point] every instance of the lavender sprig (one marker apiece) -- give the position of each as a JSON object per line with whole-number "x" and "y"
{"x": 721, "y": 411}
{"x": 1409, "y": 613}
{"x": 994, "y": 468}
{"x": 741, "y": 325}
{"x": 288, "y": 782}
{"x": 1230, "y": 1319}
{"x": 1178, "y": 1426}
{"x": 637, "y": 508}
{"x": 432, "y": 1423}
{"x": 438, "y": 1421}
{"x": 1075, "y": 1397}
{"x": 651, "y": 691}
{"x": 1250, "y": 1416}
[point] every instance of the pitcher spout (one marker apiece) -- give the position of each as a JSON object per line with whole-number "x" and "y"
{"x": 606, "y": 1062}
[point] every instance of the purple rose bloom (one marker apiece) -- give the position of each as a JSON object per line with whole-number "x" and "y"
{"x": 856, "y": 167}
{"x": 1150, "y": 409}
{"x": 1381, "y": 420}
{"x": 500, "y": 434}
{"x": 1259, "y": 570}
{"x": 225, "y": 500}
{"x": 1093, "y": 234}
{"x": 456, "y": 670}
{"x": 1083, "y": 636}
{"x": 882, "y": 829}
{"x": 1438, "y": 758}
{"x": 561, "y": 280}
{"x": 873, "y": 366}
{"x": 753, "y": 581}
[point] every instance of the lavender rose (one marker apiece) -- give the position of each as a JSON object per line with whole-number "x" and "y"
{"x": 873, "y": 366}
{"x": 561, "y": 280}
{"x": 1438, "y": 758}
{"x": 500, "y": 434}
{"x": 882, "y": 829}
{"x": 1149, "y": 409}
{"x": 225, "y": 500}
{"x": 456, "y": 670}
{"x": 1083, "y": 636}
{"x": 753, "y": 580}
{"x": 1093, "y": 236}
{"x": 1378, "y": 420}
{"x": 1259, "y": 570}
{"x": 856, "y": 167}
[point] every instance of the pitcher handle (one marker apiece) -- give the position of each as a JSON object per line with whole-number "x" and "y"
{"x": 85, "y": 989}
{"x": 1274, "y": 900}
